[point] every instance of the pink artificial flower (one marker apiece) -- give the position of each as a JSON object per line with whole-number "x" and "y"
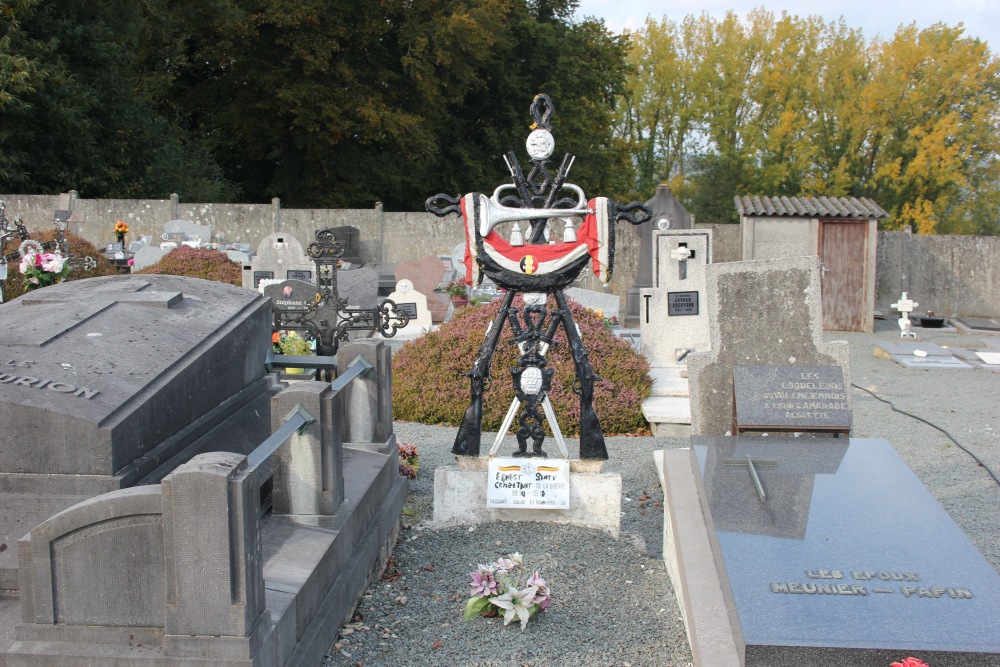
{"x": 505, "y": 565}
{"x": 27, "y": 261}
{"x": 910, "y": 662}
{"x": 483, "y": 582}
{"x": 542, "y": 594}
{"x": 52, "y": 263}
{"x": 131, "y": 262}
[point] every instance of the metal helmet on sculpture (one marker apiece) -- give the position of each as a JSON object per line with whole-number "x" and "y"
{"x": 536, "y": 265}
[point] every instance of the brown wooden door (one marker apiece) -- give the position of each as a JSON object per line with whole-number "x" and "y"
{"x": 844, "y": 253}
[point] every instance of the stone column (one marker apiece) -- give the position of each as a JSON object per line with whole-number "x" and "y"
{"x": 308, "y": 468}
{"x": 367, "y": 400}
{"x": 212, "y": 550}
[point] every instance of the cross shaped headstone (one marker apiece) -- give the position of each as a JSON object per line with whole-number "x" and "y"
{"x": 54, "y": 322}
{"x": 905, "y": 306}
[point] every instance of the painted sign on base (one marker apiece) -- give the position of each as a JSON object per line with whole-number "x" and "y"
{"x": 521, "y": 483}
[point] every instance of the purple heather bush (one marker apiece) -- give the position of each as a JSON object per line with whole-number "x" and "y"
{"x": 430, "y": 385}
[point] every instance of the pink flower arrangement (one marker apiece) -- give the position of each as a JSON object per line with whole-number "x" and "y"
{"x": 43, "y": 269}
{"x": 910, "y": 662}
{"x": 501, "y": 587}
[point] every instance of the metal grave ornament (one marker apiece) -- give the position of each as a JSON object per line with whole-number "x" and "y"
{"x": 328, "y": 318}
{"x": 534, "y": 262}
{"x": 9, "y": 229}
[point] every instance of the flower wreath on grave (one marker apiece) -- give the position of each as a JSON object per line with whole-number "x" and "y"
{"x": 910, "y": 662}
{"x": 409, "y": 460}
{"x": 505, "y": 586}
{"x": 291, "y": 343}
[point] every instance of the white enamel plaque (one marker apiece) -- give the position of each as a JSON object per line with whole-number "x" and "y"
{"x": 528, "y": 483}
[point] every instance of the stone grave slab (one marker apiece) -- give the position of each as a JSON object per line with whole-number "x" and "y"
{"x": 426, "y": 274}
{"x": 832, "y": 563}
{"x": 761, "y": 312}
{"x": 186, "y": 231}
{"x": 886, "y": 349}
{"x": 98, "y": 372}
{"x": 924, "y": 363}
{"x": 981, "y": 323}
{"x": 790, "y": 398}
{"x": 605, "y": 302}
{"x": 358, "y": 286}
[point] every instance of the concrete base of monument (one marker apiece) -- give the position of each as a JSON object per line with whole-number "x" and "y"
{"x": 687, "y": 554}
{"x": 595, "y": 498}
{"x": 668, "y": 408}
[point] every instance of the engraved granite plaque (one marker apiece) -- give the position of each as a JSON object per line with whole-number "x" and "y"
{"x": 790, "y": 398}
{"x": 682, "y": 303}
{"x": 293, "y": 274}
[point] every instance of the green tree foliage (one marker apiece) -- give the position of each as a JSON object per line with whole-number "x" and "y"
{"x": 342, "y": 104}
{"x": 789, "y": 106}
{"x": 78, "y": 116}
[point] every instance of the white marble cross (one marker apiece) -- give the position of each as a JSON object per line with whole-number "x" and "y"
{"x": 905, "y": 306}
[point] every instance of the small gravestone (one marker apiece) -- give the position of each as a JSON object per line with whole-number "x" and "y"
{"x": 790, "y": 398}
{"x": 414, "y": 304}
{"x": 815, "y": 545}
{"x": 359, "y": 287}
{"x": 350, "y": 238}
{"x": 291, "y": 296}
{"x": 426, "y": 275}
{"x": 762, "y": 312}
{"x": 147, "y": 257}
{"x": 276, "y": 255}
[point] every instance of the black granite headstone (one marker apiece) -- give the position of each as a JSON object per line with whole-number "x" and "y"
{"x": 848, "y": 559}
{"x": 790, "y": 398}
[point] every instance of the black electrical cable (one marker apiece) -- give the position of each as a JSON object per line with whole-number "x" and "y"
{"x": 934, "y": 426}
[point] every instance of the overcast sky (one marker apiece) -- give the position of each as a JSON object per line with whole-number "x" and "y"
{"x": 981, "y": 18}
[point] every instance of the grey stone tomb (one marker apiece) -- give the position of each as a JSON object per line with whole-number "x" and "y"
{"x": 165, "y": 502}
{"x": 821, "y": 557}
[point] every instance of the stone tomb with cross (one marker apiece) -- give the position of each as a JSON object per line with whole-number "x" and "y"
{"x": 103, "y": 381}
{"x": 673, "y": 323}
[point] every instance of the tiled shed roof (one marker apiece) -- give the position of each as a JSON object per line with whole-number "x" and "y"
{"x": 810, "y": 207}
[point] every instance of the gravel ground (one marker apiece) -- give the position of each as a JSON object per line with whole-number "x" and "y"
{"x": 612, "y": 600}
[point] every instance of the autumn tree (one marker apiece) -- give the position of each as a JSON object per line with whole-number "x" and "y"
{"x": 788, "y": 106}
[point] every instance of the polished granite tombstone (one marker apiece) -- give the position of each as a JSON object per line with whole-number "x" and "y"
{"x": 838, "y": 553}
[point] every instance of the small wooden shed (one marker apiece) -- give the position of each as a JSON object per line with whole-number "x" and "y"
{"x": 841, "y": 230}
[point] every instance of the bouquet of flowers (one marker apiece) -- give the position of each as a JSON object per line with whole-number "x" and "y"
{"x": 505, "y": 586}
{"x": 290, "y": 343}
{"x": 910, "y": 662}
{"x": 121, "y": 229}
{"x": 42, "y": 269}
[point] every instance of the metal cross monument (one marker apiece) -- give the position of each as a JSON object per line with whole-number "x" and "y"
{"x": 535, "y": 268}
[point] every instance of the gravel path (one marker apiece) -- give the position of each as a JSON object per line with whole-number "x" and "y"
{"x": 612, "y": 600}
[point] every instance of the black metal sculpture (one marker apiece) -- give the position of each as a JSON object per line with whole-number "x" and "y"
{"x": 339, "y": 318}
{"x": 535, "y": 269}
